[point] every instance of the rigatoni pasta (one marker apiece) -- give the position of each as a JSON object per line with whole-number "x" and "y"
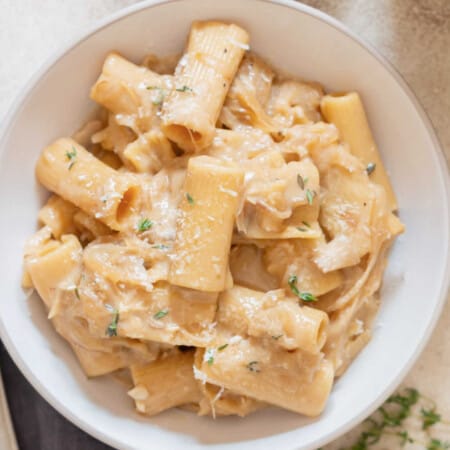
{"x": 55, "y": 269}
{"x": 220, "y": 233}
{"x": 58, "y": 215}
{"x": 347, "y": 113}
{"x": 123, "y": 87}
{"x": 68, "y": 169}
{"x": 202, "y": 79}
{"x": 271, "y": 315}
{"x": 165, "y": 383}
{"x": 205, "y": 225}
{"x": 296, "y": 381}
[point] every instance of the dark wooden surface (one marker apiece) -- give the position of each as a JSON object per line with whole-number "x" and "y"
{"x": 38, "y": 426}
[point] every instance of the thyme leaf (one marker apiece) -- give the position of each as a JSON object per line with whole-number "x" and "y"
{"x": 429, "y": 417}
{"x": 161, "y": 314}
{"x": 144, "y": 225}
{"x": 184, "y": 89}
{"x": 304, "y": 296}
{"x": 310, "y": 196}
{"x": 392, "y": 415}
{"x": 112, "y": 327}
{"x": 189, "y": 198}
{"x": 253, "y": 366}
{"x": 71, "y": 156}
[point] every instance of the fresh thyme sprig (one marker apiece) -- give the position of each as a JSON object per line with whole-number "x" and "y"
{"x": 209, "y": 356}
{"x": 161, "y": 93}
{"x": 304, "y": 228}
{"x": 112, "y": 327}
{"x": 189, "y": 198}
{"x": 72, "y": 156}
{"x": 390, "y": 417}
{"x": 310, "y": 196}
{"x": 184, "y": 88}
{"x": 160, "y": 314}
{"x": 253, "y": 366}
{"x": 429, "y": 417}
{"x": 304, "y": 296}
{"x": 144, "y": 224}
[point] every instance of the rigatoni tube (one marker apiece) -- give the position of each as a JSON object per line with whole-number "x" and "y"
{"x": 348, "y": 114}
{"x": 54, "y": 265}
{"x": 202, "y": 79}
{"x": 68, "y": 169}
{"x": 205, "y": 225}
{"x": 58, "y": 214}
{"x": 123, "y": 87}
{"x": 292, "y": 326}
{"x": 164, "y": 384}
{"x": 272, "y": 315}
{"x": 295, "y": 380}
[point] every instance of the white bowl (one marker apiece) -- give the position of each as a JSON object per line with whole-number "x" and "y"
{"x": 303, "y": 42}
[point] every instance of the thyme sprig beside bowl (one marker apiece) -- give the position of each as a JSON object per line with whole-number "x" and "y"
{"x": 389, "y": 420}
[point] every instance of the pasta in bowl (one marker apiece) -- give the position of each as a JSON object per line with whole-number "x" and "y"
{"x": 219, "y": 231}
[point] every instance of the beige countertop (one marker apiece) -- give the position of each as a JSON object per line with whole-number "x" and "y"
{"x": 414, "y": 35}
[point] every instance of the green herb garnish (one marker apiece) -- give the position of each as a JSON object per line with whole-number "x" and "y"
{"x": 222, "y": 347}
{"x": 404, "y": 438}
{"x": 161, "y": 314}
{"x": 304, "y": 296}
{"x": 71, "y": 156}
{"x": 145, "y": 224}
{"x": 160, "y": 246}
{"x": 253, "y": 366}
{"x": 436, "y": 444}
{"x": 310, "y": 196}
{"x": 306, "y": 227}
{"x": 184, "y": 89}
{"x": 77, "y": 294}
{"x": 370, "y": 168}
{"x": 209, "y": 356}
{"x": 392, "y": 415}
{"x": 300, "y": 181}
{"x": 189, "y": 198}
{"x": 277, "y": 337}
{"x": 112, "y": 327}
{"x": 429, "y": 417}
{"x": 308, "y": 297}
